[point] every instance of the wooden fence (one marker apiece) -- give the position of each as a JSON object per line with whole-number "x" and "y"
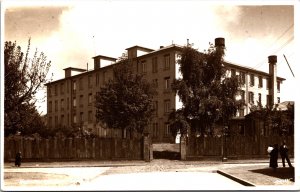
{"x": 73, "y": 148}
{"x": 235, "y": 146}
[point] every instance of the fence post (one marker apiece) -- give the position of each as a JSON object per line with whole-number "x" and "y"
{"x": 146, "y": 147}
{"x": 183, "y": 147}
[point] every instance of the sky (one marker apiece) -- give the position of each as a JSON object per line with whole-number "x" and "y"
{"x": 70, "y": 34}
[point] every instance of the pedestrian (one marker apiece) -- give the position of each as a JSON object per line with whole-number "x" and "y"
{"x": 274, "y": 157}
{"x": 18, "y": 159}
{"x": 284, "y": 154}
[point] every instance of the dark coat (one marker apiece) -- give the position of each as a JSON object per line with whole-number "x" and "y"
{"x": 274, "y": 158}
{"x": 18, "y": 159}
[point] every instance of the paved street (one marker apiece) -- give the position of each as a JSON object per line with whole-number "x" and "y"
{"x": 137, "y": 175}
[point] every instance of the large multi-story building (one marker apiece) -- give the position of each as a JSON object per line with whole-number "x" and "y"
{"x": 70, "y": 101}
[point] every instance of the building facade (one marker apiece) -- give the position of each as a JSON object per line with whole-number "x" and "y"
{"x": 70, "y": 101}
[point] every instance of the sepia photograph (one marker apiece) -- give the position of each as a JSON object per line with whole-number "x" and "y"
{"x": 148, "y": 95}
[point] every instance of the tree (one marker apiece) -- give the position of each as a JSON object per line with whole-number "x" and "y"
{"x": 126, "y": 101}
{"x": 24, "y": 76}
{"x": 280, "y": 121}
{"x": 207, "y": 94}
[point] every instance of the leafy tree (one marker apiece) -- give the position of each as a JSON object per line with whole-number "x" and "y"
{"x": 24, "y": 76}
{"x": 207, "y": 94}
{"x": 126, "y": 101}
{"x": 280, "y": 121}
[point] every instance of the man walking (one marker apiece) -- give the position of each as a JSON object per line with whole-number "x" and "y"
{"x": 284, "y": 154}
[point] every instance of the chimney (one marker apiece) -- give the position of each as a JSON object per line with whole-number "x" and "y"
{"x": 161, "y": 47}
{"x": 220, "y": 42}
{"x": 96, "y": 63}
{"x": 273, "y": 79}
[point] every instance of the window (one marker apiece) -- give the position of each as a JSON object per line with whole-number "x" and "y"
{"x": 252, "y": 80}
{"x": 260, "y": 82}
{"x": 278, "y": 86}
{"x": 50, "y": 122}
{"x": 74, "y": 118}
{"x": 90, "y": 116}
{"x": 251, "y": 97}
{"x": 62, "y": 104}
{"x": 49, "y": 91}
{"x": 233, "y": 72}
{"x": 104, "y": 77}
{"x": 144, "y": 66}
{"x": 74, "y": 86}
{"x": 67, "y": 86}
{"x": 259, "y": 98}
{"x": 242, "y": 92}
{"x": 167, "y": 129}
{"x": 80, "y": 84}
{"x": 278, "y": 99}
{"x": 62, "y": 88}
{"x": 155, "y": 82}
{"x": 242, "y": 77}
{"x": 56, "y": 122}
{"x": 62, "y": 120}
{"x": 155, "y": 108}
{"x": 56, "y": 106}
{"x": 167, "y": 106}
{"x": 74, "y": 102}
{"x": 81, "y": 117}
{"x": 81, "y": 101}
{"x": 167, "y": 62}
{"x": 167, "y": 83}
{"x": 55, "y": 90}
{"x": 90, "y": 81}
{"x": 50, "y": 106}
{"x": 68, "y": 103}
{"x": 90, "y": 99}
{"x": 97, "y": 79}
{"x": 154, "y": 65}
{"x": 241, "y": 112}
{"x": 155, "y": 129}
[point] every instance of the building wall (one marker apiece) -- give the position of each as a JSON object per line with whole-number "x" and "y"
{"x": 70, "y": 101}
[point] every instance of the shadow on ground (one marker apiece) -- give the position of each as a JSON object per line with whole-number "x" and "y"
{"x": 281, "y": 173}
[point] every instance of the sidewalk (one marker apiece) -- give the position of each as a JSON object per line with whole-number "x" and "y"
{"x": 249, "y": 172}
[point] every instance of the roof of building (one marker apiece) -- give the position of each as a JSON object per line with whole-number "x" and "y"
{"x": 75, "y": 69}
{"x": 140, "y": 48}
{"x": 105, "y": 57}
{"x": 172, "y": 46}
{"x": 284, "y": 105}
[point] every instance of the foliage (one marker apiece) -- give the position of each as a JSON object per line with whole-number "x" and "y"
{"x": 126, "y": 101}
{"x": 207, "y": 94}
{"x": 24, "y": 76}
{"x": 281, "y": 121}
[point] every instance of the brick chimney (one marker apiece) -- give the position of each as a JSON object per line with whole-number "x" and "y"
{"x": 220, "y": 41}
{"x": 273, "y": 79}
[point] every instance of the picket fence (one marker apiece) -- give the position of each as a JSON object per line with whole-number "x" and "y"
{"x": 235, "y": 146}
{"x": 73, "y": 148}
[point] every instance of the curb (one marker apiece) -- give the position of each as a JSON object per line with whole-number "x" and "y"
{"x": 236, "y": 179}
{"x": 74, "y": 166}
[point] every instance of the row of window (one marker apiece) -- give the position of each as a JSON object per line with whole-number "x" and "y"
{"x": 251, "y": 97}
{"x": 143, "y": 69}
{"x": 242, "y": 78}
{"x": 167, "y": 107}
{"x": 74, "y": 103}
{"x": 166, "y": 66}
{"x": 62, "y": 122}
